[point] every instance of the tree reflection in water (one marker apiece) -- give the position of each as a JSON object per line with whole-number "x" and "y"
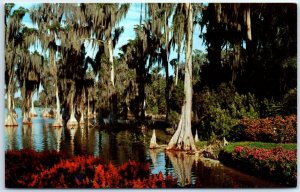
{"x": 58, "y": 135}
{"x": 153, "y": 154}
{"x": 182, "y": 163}
{"x": 72, "y": 130}
{"x": 11, "y": 137}
{"x": 28, "y": 139}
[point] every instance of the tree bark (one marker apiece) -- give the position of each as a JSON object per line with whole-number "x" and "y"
{"x": 81, "y": 121}
{"x": 153, "y": 144}
{"x": 111, "y": 61}
{"x": 248, "y": 16}
{"x": 27, "y": 102}
{"x": 58, "y": 118}
{"x": 26, "y": 118}
{"x": 82, "y": 109}
{"x": 196, "y": 136}
{"x": 183, "y": 138}
{"x": 32, "y": 110}
{"x": 176, "y": 76}
{"x": 72, "y": 121}
{"x": 10, "y": 119}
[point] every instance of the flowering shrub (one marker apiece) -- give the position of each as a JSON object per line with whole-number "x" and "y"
{"x": 77, "y": 172}
{"x": 74, "y": 172}
{"x": 20, "y": 164}
{"x": 277, "y": 129}
{"x": 278, "y": 163}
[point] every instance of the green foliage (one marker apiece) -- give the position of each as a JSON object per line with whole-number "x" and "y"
{"x": 286, "y": 106}
{"x": 155, "y": 99}
{"x": 36, "y": 103}
{"x": 177, "y": 97}
{"x": 270, "y": 108}
{"x": 201, "y": 144}
{"x": 174, "y": 118}
{"x": 220, "y": 110}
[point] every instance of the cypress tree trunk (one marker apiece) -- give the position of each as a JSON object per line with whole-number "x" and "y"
{"x": 26, "y": 106}
{"x": 248, "y": 23}
{"x": 153, "y": 144}
{"x": 111, "y": 61}
{"x": 183, "y": 138}
{"x": 10, "y": 119}
{"x": 58, "y": 118}
{"x": 82, "y": 108}
{"x": 32, "y": 110}
{"x": 72, "y": 121}
{"x": 176, "y": 76}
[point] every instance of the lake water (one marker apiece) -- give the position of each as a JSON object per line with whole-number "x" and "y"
{"x": 120, "y": 146}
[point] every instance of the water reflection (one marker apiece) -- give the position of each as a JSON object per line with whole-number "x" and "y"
{"x": 182, "y": 163}
{"x": 153, "y": 154}
{"x": 213, "y": 174}
{"x": 72, "y": 130}
{"x": 11, "y": 137}
{"x": 91, "y": 140}
{"x": 28, "y": 139}
{"x": 58, "y": 135}
{"x": 119, "y": 147}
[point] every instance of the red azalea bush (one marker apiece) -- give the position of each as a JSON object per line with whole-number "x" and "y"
{"x": 72, "y": 173}
{"x": 20, "y": 164}
{"x": 272, "y": 129}
{"x": 278, "y": 163}
{"x": 78, "y": 172}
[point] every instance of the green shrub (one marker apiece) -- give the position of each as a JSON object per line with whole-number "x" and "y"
{"x": 174, "y": 118}
{"x": 220, "y": 110}
{"x": 155, "y": 95}
{"x": 270, "y": 108}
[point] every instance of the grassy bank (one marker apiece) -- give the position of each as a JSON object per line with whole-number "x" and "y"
{"x": 261, "y": 145}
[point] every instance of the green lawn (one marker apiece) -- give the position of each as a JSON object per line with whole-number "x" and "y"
{"x": 230, "y": 147}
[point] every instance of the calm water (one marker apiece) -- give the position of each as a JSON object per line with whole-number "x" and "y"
{"x": 119, "y": 147}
